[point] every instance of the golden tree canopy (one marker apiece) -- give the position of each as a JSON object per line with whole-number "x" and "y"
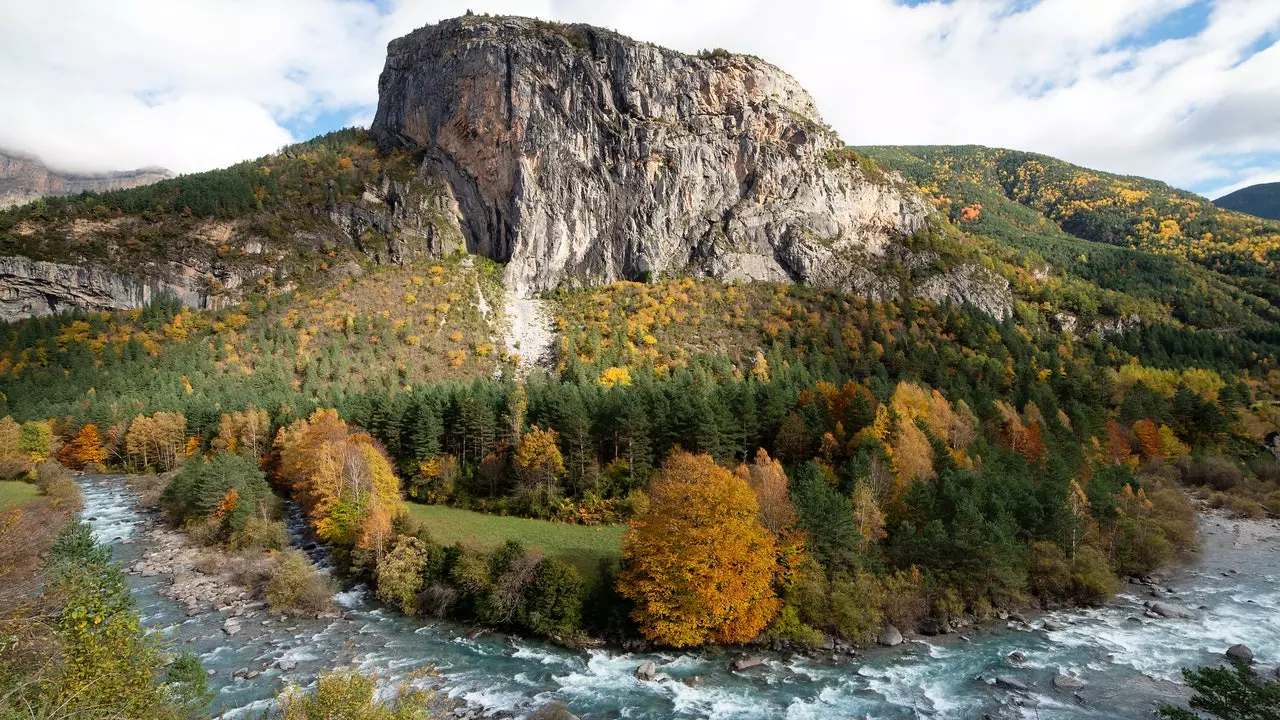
{"x": 700, "y": 566}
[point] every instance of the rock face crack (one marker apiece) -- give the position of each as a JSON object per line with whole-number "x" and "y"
{"x": 580, "y": 156}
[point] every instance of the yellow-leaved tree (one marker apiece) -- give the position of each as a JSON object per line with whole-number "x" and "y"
{"x": 700, "y": 567}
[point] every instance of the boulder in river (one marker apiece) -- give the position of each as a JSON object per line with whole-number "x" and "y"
{"x": 746, "y": 663}
{"x": 646, "y": 672}
{"x": 1169, "y": 610}
{"x": 934, "y": 626}
{"x": 1054, "y": 626}
{"x": 889, "y": 636}
{"x": 1011, "y": 683}
{"x": 1067, "y": 683}
{"x": 1240, "y": 651}
{"x": 286, "y": 663}
{"x": 231, "y": 626}
{"x": 1017, "y": 657}
{"x": 693, "y": 681}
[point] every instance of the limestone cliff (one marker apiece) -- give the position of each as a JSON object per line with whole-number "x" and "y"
{"x": 32, "y": 288}
{"x": 583, "y": 157}
{"x": 24, "y": 178}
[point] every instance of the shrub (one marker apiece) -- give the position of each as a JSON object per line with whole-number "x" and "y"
{"x": 54, "y": 481}
{"x": 349, "y": 695}
{"x": 1216, "y": 472}
{"x": 260, "y": 533}
{"x": 296, "y": 586}
{"x": 789, "y": 628}
{"x": 1049, "y": 572}
{"x": 855, "y": 606}
{"x": 552, "y": 604}
{"x": 1246, "y": 508}
{"x": 1092, "y": 581}
{"x": 188, "y": 685}
{"x": 400, "y": 573}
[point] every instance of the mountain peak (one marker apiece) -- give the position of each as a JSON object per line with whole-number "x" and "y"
{"x": 583, "y": 156}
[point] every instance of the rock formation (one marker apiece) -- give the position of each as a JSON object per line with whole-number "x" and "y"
{"x": 24, "y": 178}
{"x": 32, "y": 288}
{"x": 583, "y": 157}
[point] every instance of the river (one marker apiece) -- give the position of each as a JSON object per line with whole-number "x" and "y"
{"x": 1130, "y": 662}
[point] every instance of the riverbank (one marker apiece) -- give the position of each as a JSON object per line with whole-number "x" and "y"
{"x": 1128, "y": 662}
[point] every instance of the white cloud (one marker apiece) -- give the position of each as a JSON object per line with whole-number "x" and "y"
{"x": 202, "y": 83}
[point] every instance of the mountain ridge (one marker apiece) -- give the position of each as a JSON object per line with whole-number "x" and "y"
{"x": 1261, "y": 200}
{"x": 24, "y": 177}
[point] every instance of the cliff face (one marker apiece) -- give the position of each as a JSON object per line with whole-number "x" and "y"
{"x": 32, "y": 288}
{"x": 24, "y": 178}
{"x": 583, "y": 157}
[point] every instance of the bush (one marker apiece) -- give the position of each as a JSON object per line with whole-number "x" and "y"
{"x": 789, "y": 628}
{"x": 259, "y": 533}
{"x": 1049, "y": 573}
{"x": 295, "y": 586}
{"x": 188, "y": 685}
{"x": 54, "y": 481}
{"x": 1246, "y": 508}
{"x": 400, "y": 574}
{"x": 1216, "y": 472}
{"x": 1092, "y": 581}
{"x": 349, "y": 695}
{"x": 855, "y": 606}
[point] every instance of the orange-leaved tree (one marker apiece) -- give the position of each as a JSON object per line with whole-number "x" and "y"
{"x": 342, "y": 479}
{"x": 84, "y": 450}
{"x": 699, "y": 565}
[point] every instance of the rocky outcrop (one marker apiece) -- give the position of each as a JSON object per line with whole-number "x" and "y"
{"x": 24, "y": 178}
{"x": 583, "y": 157}
{"x": 34, "y": 288}
{"x": 397, "y": 221}
{"x": 973, "y": 285}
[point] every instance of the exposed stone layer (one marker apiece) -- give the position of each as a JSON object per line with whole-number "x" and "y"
{"x": 583, "y": 157}
{"x": 32, "y": 288}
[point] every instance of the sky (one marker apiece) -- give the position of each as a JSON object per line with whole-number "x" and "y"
{"x": 1185, "y": 91}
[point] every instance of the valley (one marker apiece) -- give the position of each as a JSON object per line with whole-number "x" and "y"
{"x": 592, "y": 368}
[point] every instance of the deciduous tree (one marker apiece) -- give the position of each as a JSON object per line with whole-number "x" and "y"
{"x": 700, "y": 566}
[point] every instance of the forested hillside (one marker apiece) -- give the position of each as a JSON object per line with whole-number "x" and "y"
{"x": 1031, "y": 202}
{"x": 897, "y": 462}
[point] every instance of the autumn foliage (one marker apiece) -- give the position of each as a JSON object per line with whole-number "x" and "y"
{"x": 342, "y": 479}
{"x": 700, "y": 566}
{"x": 83, "y": 450}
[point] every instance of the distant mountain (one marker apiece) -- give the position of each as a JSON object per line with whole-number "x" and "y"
{"x": 25, "y": 177}
{"x": 1262, "y": 200}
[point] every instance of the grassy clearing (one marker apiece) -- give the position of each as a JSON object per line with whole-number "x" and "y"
{"x": 579, "y": 545}
{"x": 15, "y": 493}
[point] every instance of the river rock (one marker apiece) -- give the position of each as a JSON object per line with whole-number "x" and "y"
{"x": 1011, "y": 683}
{"x": 1240, "y": 651}
{"x": 286, "y": 663}
{"x": 646, "y": 672}
{"x": 934, "y": 626}
{"x": 1067, "y": 683}
{"x": 1168, "y": 610}
{"x": 746, "y": 663}
{"x": 889, "y": 636}
{"x": 693, "y": 681}
{"x": 1054, "y": 626}
{"x": 231, "y": 627}
{"x": 1018, "y": 618}
{"x": 1017, "y": 657}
